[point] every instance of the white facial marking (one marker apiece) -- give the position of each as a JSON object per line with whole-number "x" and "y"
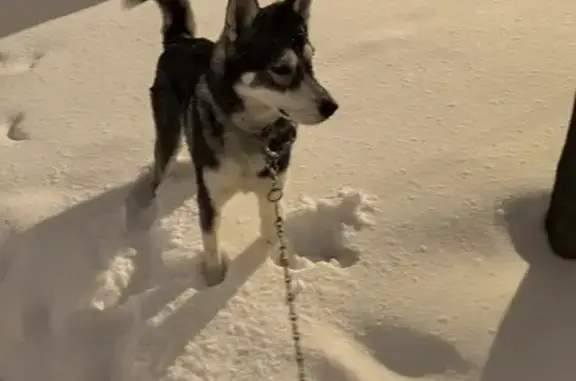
{"x": 248, "y": 78}
{"x": 308, "y": 52}
{"x": 264, "y": 103}
{"x": 289, "y": 58}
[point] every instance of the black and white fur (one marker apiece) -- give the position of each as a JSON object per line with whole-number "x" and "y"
{"x": 258, "y": 76}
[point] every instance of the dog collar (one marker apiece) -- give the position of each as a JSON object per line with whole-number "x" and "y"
{"x": 278, "y": 136}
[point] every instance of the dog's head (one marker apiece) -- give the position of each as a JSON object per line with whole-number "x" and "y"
{"x": 266, "y": 57}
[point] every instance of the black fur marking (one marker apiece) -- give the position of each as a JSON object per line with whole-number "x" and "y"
{"x": 178, "y": 70}
{"x": 177, "y": 28}
{"x": 205, "y": 207}
{"x": 182, "y": 64}
{"x": 276, "y": 28}
{"x": 167, "y": 111}
{"x": 202, "y": 154}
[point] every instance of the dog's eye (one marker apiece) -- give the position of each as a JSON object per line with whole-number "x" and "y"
{"x": 281, "y": 70}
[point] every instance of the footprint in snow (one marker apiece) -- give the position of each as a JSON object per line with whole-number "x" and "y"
{"x": 10, "y": 65}
{"x": 323, "y": 230}
{"x": 12, "y": 128}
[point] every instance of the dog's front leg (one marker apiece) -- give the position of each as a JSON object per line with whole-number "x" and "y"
{"x": 211, "y": 198}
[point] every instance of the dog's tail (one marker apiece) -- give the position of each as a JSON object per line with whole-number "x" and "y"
{"x": 178, "y": 18}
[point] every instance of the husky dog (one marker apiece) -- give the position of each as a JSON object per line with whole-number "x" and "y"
{"x": 234, "y": 99}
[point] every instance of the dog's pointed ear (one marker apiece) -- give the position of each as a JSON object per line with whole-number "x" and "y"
{"x": 239, "y": 16}
{"x": 302, "y": 7}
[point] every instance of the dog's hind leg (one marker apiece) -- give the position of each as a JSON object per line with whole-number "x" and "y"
{"x": 167, "y": 111}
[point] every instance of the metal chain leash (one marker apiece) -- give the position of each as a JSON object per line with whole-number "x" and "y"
{"x": 274, "y": 196}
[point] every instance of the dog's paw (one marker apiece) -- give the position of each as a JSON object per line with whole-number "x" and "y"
{"x": 141, "y": 208}
{"x": 140, "y": 217}
{"x": 214, "y": 274}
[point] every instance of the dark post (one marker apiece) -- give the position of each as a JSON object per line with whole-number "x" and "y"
{"x": 561, "y": 217}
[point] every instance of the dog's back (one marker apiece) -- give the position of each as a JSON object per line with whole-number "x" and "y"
{"x": 185, "y": 57}
{"x": 182, "y": 63}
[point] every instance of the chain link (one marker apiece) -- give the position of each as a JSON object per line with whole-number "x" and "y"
{"x": 274, "y": 196}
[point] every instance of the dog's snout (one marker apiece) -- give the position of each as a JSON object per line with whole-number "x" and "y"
{"x": 328, "y": 107}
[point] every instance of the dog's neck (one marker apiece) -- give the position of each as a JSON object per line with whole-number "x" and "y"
{"x": 255, "y": 115}
{"x": 247, "y": 114}
{"x": 263, "y": 123}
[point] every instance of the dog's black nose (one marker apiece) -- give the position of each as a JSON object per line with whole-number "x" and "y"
{"x": 328, "y": 107}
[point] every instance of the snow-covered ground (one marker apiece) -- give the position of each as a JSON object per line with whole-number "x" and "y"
{"x": 419, "y": 204}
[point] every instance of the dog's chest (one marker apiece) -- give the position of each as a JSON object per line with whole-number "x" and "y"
{"x": 244, "y": 157}
{"x": 241, "y": 162}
